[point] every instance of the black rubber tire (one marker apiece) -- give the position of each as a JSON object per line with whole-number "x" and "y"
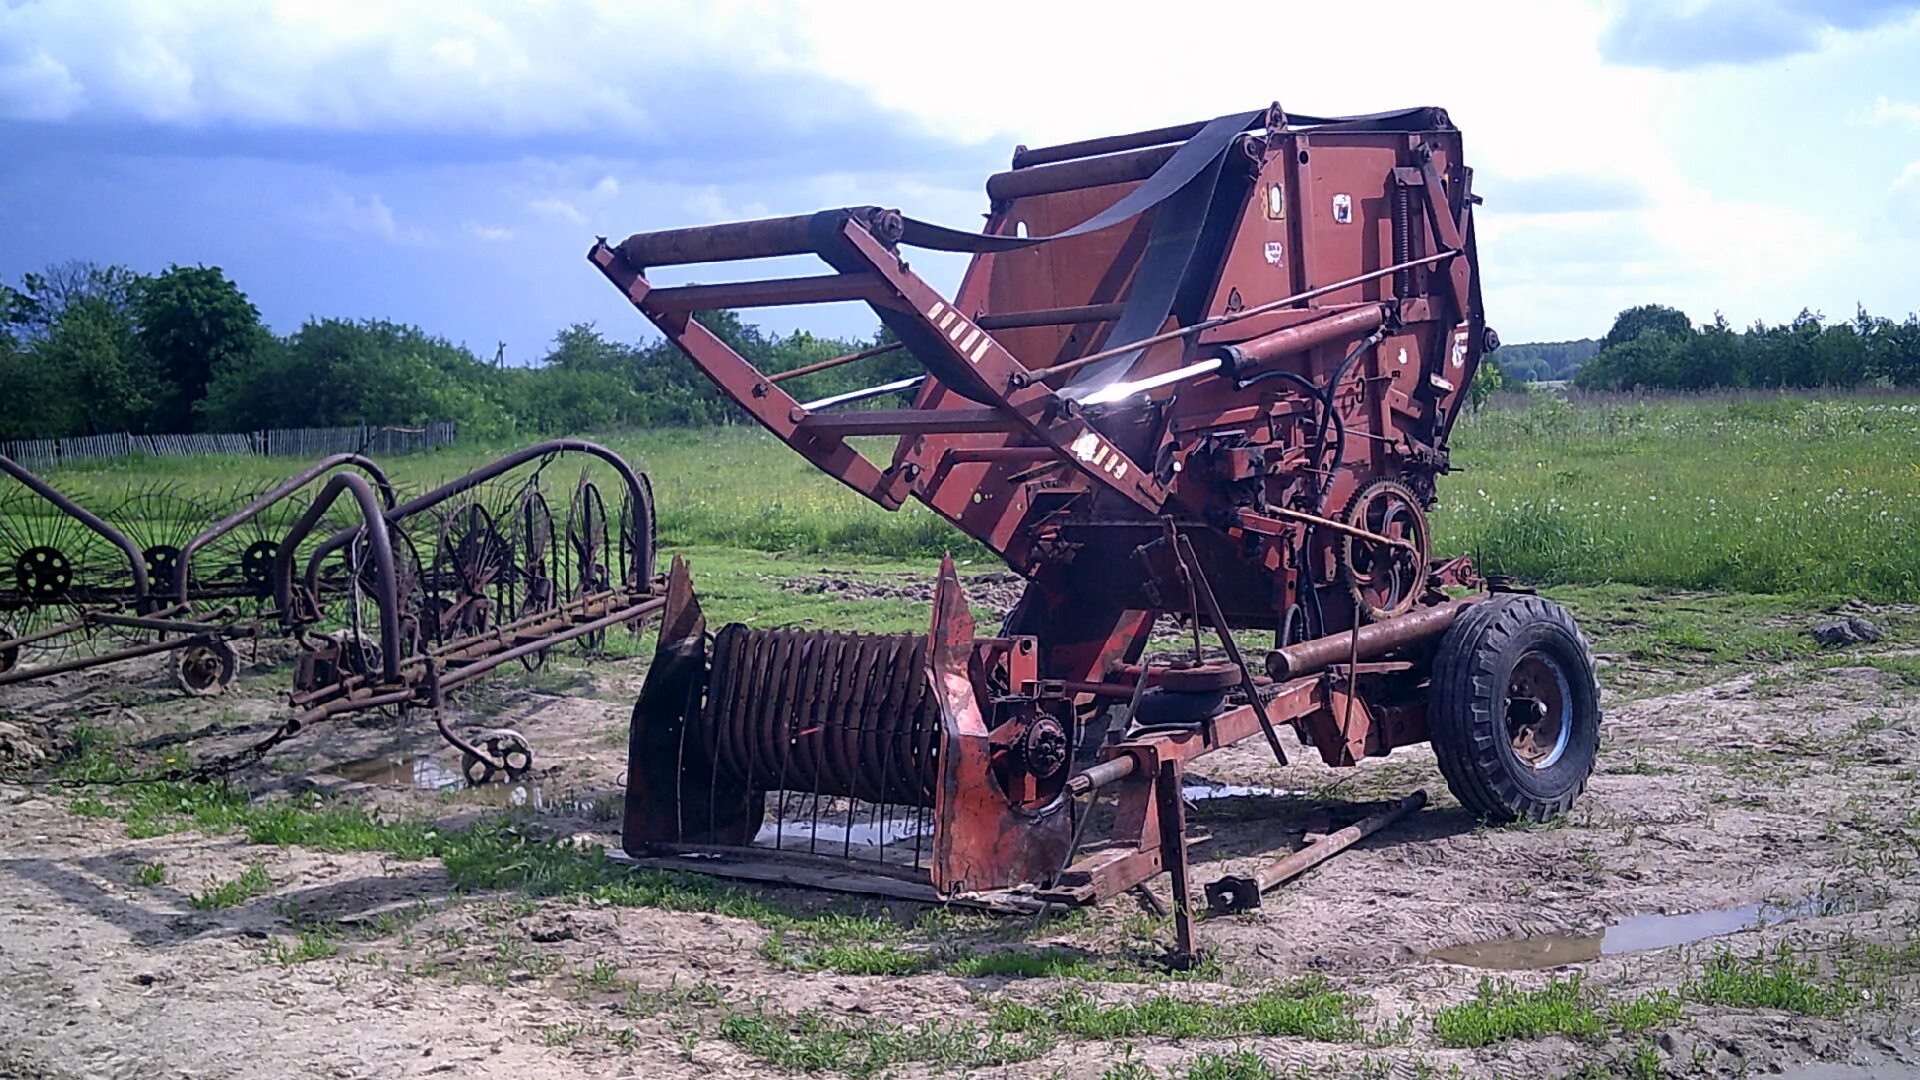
{"x": 1467, "y": 710}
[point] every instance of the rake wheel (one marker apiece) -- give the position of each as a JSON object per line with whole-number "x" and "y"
{"x": 587, "y": 537}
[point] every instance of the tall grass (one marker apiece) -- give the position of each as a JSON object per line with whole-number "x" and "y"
{"x": 1754, "y": 494}
{"x": 1777, "y": 494}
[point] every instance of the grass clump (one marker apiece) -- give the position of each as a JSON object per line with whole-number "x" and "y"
{"x": 1769, "y": 980}
{"x": 1308, "y": 1008}
{"x": 312, "y": 944}
{"x": 847, "y": 958}
{"x": 1501, "y": 1011}
{"x": 1238, "y": 1065}
{"x": 813, "y": 1040}
{"x": 234, "y": 892}
{"x": 150, "y": 874}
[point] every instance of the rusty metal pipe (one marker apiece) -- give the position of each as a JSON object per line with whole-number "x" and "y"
{"x": 1107, "y": 772}
{"x": 1370, "y": 641}
{"x": 279, "y": 492}
{"x": 801, "y": 234}
{"x": 389, "y": 600}
{"x": 1024, "y": 158}
{"x": 757, "y": 239}
{"x": 827, "y": 365}
{"x": 470, "y": 671}
{"x": 15, "y": 675}
{"x": 1242, "y": 893}
{"x": 1301, "y": 337}
{"x": 1082, "y": 173}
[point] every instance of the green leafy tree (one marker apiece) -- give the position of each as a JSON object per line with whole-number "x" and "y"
{"x": 91, "y": 375}
{"x": 1645, "y": 319}
{"x": 193, "y": 320}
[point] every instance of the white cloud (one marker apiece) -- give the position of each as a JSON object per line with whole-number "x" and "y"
{"x": 499, "y": 66}
{"x": 371, "y": 216}
{"x": 1595, "y": 198}
{"x": 1886, "y": 111}
{"x": 558, "y": 208}
{"x": 38, "y": 87}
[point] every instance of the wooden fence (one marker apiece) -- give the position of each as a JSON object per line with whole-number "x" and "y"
{"x": 289, "y": 442}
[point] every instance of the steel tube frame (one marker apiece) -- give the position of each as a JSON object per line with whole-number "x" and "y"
{"x": 280, "y": 492}
{"x": 388, "y": 598}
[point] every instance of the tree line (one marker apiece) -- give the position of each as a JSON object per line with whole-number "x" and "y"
{"x": 87, "y": 349}
{"x": 1657, "y": 347}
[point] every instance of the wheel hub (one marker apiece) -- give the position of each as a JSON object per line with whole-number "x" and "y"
{"x": 1539, "y": 711}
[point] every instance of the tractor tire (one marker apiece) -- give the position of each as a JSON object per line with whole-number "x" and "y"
{"x": 1514, "y": 713}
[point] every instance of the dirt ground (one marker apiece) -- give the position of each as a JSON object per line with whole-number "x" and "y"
{"x": 1792, "y": 787}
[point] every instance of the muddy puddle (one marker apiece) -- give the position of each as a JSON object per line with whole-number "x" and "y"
{"x": 425, "y": 772}
{"x": 1635, "y": 933}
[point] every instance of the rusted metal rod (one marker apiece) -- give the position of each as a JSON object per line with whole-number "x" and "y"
{"x": 1048, "y": 374}
{"x": 1060, "y": 316}
{"x": 1301, "y": 337}
{"x": 1371, "y": 640}
{"x": 1079, "y": 173}
{"x": 1025, "y": 158}
{"x": 772, "y": 292}
{"x": 1242, "y": 893}
{"x": 98, "y": 659}
{"x": 801, "y": 234}
{"x": 279, "y": 492}
{"x": 1250, "y": 518}
{"x": 827, "y": 365}
{"x": 1183, "y": 548}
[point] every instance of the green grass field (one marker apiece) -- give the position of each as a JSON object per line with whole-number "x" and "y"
{"x": 1795, "y": 496}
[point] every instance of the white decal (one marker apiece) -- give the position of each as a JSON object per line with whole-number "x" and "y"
{"x": 934, "y": 311}
{"x": 968, "y": 344}
{"x": 980, "y": 350}
{"x": 1343, "y": 209}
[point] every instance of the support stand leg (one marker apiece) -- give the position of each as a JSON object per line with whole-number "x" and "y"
{"x": 1173, "y": 854}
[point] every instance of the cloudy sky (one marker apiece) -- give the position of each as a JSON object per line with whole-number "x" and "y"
{"x": 448, "y": 163}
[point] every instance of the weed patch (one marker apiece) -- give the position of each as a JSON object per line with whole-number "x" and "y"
{"x": 1308, "y": 1008}
{"x": 234, "y": 892}
{"x": 1769, "y": 980}
{"x": 813, "y": 1041}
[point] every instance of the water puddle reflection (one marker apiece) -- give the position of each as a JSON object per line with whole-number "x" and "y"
{"x": 425, "y": 772}
{"x": 1632, "y": 934}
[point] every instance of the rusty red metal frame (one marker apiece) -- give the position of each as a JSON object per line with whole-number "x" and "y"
{"x": 1219, "y": 465}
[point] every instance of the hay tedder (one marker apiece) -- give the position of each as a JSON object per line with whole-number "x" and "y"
{"x": 1202, "y": 374}
{"x": 391, "y": 603}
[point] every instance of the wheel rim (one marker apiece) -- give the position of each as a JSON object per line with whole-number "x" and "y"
{"x": 1539, "y": 711}
{"x": 200, "y": 668}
